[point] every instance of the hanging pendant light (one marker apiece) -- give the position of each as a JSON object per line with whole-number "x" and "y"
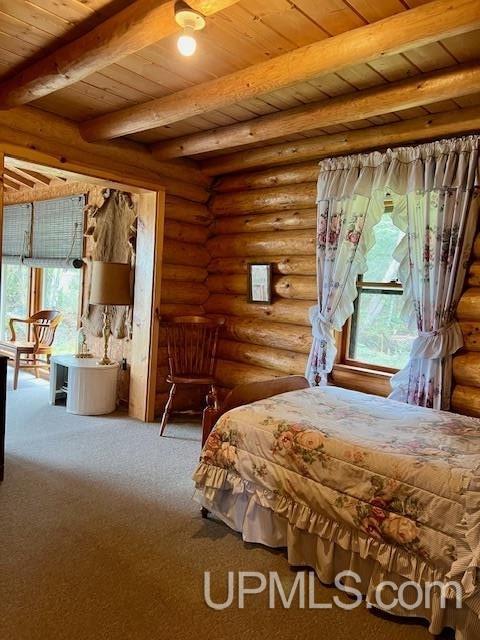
{"x": 190, "y": 21}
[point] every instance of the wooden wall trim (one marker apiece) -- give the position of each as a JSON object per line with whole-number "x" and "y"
{"x": 146, "y": 309}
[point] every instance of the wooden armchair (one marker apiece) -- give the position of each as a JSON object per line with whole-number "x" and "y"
{"x": 43, "y": 325}
{"x": 192, "y": 345}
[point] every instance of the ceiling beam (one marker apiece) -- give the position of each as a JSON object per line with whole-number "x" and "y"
{"x": 16, "y": 177}
{"x": 139, "y": 25}
{"x": 49, "y": 192}
{"x": 361, "y": 105}
{"x": 11, "y": 184}
{"x": 401, "y": 32}
{"x": 427, "y": 127}
{"x": 34, "y": 175}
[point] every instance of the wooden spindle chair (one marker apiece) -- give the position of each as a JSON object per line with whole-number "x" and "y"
{"x": 192, "y": 346}
{"x": 26, "y": 355}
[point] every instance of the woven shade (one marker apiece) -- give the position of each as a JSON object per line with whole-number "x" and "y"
{"x": 110, "y": 283}
{"x": 57, "y": 232}
{"x": 43, "y": 234}
{"x": 17, "y": 223}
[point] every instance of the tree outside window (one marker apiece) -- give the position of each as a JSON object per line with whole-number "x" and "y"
{"x": 377, "y": 335}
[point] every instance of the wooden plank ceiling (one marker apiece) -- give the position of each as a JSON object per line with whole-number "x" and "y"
{"x": 244, "y": 34}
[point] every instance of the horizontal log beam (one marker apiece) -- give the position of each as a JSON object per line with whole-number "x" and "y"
{"x": 266, "y": 357}
{"x": 54, "y": 190}
{"x": 426, "y": 127}
{"x": 175, "y": 252}
{"x": 290, "y": 265}
{"x": 361, "y": 380}
{"x": 187, "y": 211}
{"x": 469, "y": 305}
{"x": 139, "y": 25}
{"x": 175, "y": 292}
{"x": 269, "y": 334}
{"x": 183, "y": 273}
{"x": 172, "y": 309}
{"x": 287, "y": 311}
{"x": 295, "y": 196}
{"x": 276, "y": 177}
{"x": 230, "y": 374}
{"x": 255, "y": 244}
{"x": 290, "y": 287}
{"x": 428, "y": 23}
{"x": 466, "y": 369}
{"x": 473, "y": 277}
{"x": 361, "y": 105}
{"x": 466, "y": 400}
{"x": 476, "y": 247}
{"x": 185, "y": 232}
{"x": 47, "y": 139}
{"x": 471, "y": 335}
{"x": 290, "y": 219}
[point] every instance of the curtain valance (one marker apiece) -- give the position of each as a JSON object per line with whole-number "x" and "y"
{"x": 436, "y": 165}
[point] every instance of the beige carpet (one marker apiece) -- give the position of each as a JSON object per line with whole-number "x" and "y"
{"x": 100, "y": 539}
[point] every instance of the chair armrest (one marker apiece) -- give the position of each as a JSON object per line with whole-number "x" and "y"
{"x": 12, "y": 328}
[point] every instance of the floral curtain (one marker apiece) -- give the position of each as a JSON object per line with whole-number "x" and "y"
{"x": 439, "y": 220}
{"x": 347, "y": 213}
{"x": 435, "y": 204}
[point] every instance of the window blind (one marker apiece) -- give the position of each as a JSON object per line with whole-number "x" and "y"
{"x": 17, "y": 223}
{"x": 57, "y": 232}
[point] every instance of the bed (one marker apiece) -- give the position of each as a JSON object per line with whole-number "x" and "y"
{"x": 346, "y": 480}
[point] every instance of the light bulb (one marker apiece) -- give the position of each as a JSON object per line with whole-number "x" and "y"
{"x": 186, "y": 43}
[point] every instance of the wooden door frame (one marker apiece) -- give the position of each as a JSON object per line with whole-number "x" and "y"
{"x": 146, "y": 310}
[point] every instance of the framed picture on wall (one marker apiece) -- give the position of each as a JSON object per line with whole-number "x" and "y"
{"x": 260, "y": 283}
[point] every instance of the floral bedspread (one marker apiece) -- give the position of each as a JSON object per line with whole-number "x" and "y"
{"x": 400, "y": 475}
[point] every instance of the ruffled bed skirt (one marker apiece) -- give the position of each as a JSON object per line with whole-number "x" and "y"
{"x": 265, "y": 517}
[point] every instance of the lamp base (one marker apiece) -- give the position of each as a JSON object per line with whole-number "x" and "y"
{"x": 107, "y": 329}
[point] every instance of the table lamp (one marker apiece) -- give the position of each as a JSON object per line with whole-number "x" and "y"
{"x": 110, "y": 286}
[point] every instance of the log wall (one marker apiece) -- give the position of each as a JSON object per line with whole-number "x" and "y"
{"x": 184, "y": 272}
{"x": 466, "y": 364}
{"x": 265, "y": 216}
{"x": 270, "y": 216}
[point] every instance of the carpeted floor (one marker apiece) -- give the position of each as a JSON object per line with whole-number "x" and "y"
{"x": 100, "y": 539}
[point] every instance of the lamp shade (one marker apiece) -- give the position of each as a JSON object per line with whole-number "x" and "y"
{"x": 110, "y": 283}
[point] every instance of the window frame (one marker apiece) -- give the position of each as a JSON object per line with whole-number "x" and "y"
{"x": 390, "y": 288}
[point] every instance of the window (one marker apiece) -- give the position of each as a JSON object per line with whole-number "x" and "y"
{"x": 14, "y": 298}
{"x": 41, "y": 242}
{"x": 61, "y": 290}
{"x": 377, "y": 337}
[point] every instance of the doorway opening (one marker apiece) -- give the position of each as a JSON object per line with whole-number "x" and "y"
{"x": 46, "y": 250}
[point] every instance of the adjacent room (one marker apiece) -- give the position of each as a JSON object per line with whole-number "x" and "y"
{"x": 240, "y": 319}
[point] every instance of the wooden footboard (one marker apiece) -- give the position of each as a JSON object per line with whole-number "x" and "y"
{"x": 246, "y": 393}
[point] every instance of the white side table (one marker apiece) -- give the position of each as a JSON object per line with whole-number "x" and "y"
{"x": 90, "y": 388}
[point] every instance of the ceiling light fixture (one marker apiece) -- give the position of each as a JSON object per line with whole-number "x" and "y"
{"x": 190, "y": 21}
